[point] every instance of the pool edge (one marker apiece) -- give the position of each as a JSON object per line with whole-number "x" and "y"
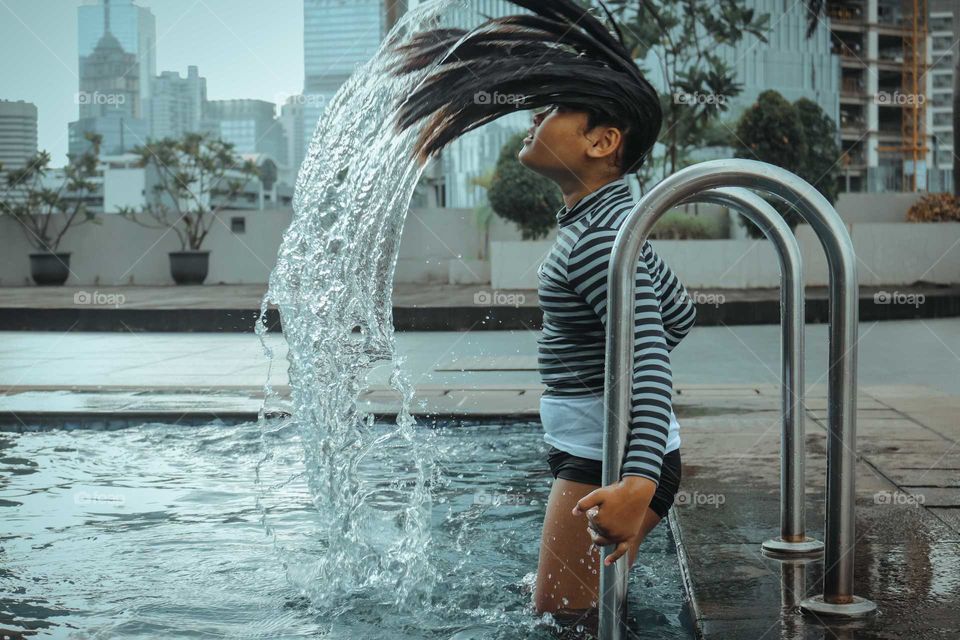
{"x": 676, "y": 531}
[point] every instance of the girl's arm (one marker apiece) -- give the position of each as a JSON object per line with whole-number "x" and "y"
{"x": 651, "y": 396}
{"x": 677, "y": 309}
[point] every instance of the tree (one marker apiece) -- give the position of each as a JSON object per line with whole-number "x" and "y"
{"x": 47, "y": 212}
{"x": 521, "y": 195}
{"x": 190, "y": 174}
{"x": 799, "y": 137}
{"x": 683, "y": 35}
{"x": 818, "y": 166}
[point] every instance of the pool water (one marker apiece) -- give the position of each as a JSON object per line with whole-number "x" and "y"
{"x": 155, "y": 531}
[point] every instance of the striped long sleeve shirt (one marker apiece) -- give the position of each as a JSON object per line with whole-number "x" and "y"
{"x": 573, "y": 297}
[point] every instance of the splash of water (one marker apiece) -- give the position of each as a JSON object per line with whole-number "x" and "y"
{"x": 332, "y": 285}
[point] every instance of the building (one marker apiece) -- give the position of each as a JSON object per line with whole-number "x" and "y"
{"x": 475, "y": 154}
{"x": 18, "y": 134}
{"x": 121, "y": 182}
{"x": 109, "y": 81}
{"x": 788, "y": 62}
{"x": 338, "y": 37}
{"x": 119, "y": 134}
{"x": 944, "y": 34}
{"x": 134, "y": 28}
{"x": 248, "y": 124}
{"x": 177, "y": 104}
{"x": 884, "y": 53}
{"x": 113, "y": 94}
{"x": 293, "y": 122}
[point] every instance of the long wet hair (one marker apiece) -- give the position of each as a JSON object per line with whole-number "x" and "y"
{"x": 559, "y": 54}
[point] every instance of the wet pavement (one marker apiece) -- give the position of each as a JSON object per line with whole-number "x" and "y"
{"x": 908, "y": 538}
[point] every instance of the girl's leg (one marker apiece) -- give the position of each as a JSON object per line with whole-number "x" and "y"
{"x": 568, "y": 577}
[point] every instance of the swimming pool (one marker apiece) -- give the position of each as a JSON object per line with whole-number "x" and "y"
{"x": 154, "y": 531}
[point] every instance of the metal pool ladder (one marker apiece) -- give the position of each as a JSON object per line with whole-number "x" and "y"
{"x": 728, "y": 182}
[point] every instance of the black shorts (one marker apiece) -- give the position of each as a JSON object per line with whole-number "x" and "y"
{"x": 576, "y": 469}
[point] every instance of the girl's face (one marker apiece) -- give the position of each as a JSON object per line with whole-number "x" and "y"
{"x": 558, "y": 144}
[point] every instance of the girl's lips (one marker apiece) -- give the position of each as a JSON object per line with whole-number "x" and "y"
{"x": 528, "y": 140}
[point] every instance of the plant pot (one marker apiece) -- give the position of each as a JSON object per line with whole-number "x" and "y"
{"x": 189, "y": 267}
{"x": 48, "y": 269}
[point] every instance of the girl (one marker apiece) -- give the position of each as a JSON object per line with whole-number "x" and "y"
{"x": 597, "y": 120}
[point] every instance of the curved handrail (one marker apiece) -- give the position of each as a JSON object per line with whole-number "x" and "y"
{"x": 841, "y": 400}
{"x": 792, "y": 477}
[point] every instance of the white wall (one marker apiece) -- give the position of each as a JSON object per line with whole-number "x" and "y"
{"x": 443, "y": 245}
{"x": 887, "y": 254}
{"x": 436, "y": 243}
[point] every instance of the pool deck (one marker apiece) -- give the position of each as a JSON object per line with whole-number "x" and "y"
{"x": 908, "y": 470}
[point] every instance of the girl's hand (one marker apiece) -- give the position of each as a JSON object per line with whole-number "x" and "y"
{"x": 615, "y": 513}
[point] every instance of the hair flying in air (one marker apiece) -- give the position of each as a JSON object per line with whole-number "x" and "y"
{"x": 558, "y": 53}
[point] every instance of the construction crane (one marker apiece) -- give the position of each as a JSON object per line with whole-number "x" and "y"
{"x": 913, "y": 129}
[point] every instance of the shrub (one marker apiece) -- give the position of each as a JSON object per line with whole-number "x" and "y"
{"x": 935, "y": 207}
{"x": 680, "y": 226}
{"x": 522, "y": 196}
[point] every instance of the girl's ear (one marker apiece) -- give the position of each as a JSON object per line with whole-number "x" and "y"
{"x": 605, "y": 142}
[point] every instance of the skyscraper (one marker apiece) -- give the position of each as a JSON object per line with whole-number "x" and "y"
{"x": 135, "y": 29}
{"x": 473, "y": 155}
{"x": 248, "y": 124}
{"x": 292, "y": 121}
{"x": 943, "y": 35}
{"x": 338, "y": 36}
{"x": 116, "y": 45}
{"x": 18, "y": 134}
{"x": 109, "y": 81}
{"x": 177, "y": 104}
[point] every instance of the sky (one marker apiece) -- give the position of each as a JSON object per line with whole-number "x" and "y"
{"x": 244, "y": 48}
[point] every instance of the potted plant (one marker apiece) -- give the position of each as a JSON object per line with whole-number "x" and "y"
{"x": 193, "y": 179}
{"x": 48, "y": 206}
